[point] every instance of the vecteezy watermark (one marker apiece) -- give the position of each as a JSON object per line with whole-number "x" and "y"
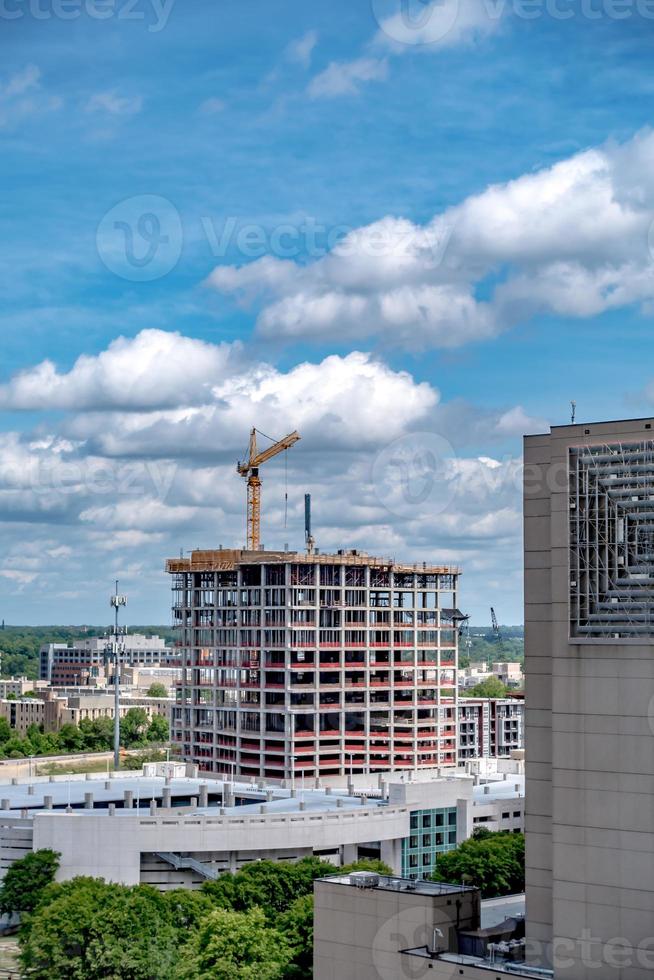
{"x": 415, "y": 473}
{"x": 425, "y": 22}
{"x": 140, "y": 239}
{"x": 409, "y": 931}
{"x": 111, "y": 478}
{"x": 153, "y": 13}
{"x": 416, "y": 22}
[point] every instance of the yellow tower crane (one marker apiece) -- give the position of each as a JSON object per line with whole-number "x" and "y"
{"x": 250, "y": 470}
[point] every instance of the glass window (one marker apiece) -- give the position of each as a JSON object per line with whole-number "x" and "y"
{"x": 426, "y": 840}
{"x": 426, "y": 860}
{"x": 453, "y": 837}
{"x": 413, "y": 841}
{"x": 426, "y": 820}
{"x": 451, "y": 818}
{"x": 440, "y": 820}
{"x": 413, "y": 860}
{"x": 414, "y": 821}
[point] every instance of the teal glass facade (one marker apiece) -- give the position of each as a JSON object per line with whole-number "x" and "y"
{"x": 433, "y": 832}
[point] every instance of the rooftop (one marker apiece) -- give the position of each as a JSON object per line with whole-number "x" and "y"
{"x": 70, "y": 791}
{"x": 369, "y": 880}
{"x": 227, "y": 559}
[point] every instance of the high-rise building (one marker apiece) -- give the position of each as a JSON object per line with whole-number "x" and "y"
{"x": 315, "y": 665}
{"x": 589, "y": 618}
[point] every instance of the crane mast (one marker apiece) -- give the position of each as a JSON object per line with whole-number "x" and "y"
{"x": 497, "y": 631}
{"x": 249, "y": 469}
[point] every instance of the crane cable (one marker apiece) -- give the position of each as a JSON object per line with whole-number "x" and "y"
{"x": 285, "y": 488}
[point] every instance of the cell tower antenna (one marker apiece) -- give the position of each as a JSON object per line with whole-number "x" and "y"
{"x": 573, "y": 412}
{"x": 116, "y": 601}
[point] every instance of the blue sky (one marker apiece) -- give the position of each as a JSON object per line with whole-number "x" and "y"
{"x": 214, "y": 205}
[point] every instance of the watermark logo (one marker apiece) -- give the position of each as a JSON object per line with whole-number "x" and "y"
{"x": 416, "y": 22}
{"x": 140, "y": 239}
{"x": 416, "y": 473}
{"x": 410, "y": 930}
{"x": 153, "y": 13}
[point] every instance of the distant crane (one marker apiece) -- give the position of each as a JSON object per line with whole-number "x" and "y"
{"x": 250, "y": 470}
{"x": 497, "y": 631}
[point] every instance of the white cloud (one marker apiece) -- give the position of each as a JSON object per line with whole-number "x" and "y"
{"x": 143, "y": 464}
{"x": 113, "y": 104}
{"x": 21, "y": 96}
{"x": 212, "y": 106}
{"x": 155, "y": 369}
{"x": 516, "y": 422}
{"x": 20, "y": 82}
{"x": 346, "y": 77}
{"x": 301, "y": 50}
{"x": 571, "y": 239}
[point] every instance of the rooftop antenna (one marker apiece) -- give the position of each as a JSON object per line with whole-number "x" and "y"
{"x": 308, "y": 537}
{"x": 116, "y": 601}
{"x": 573, "y": 412}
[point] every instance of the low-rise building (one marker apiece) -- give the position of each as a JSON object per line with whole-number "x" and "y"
{"x": 17, "y": 686}
{"x": 83, "y": 661}
{"x": 375, "y": 927}
{"x": 172, "y": 831}
{"x": 509, "y": 672}
{"x": 490, "y": 727}
{"x": 53, "y": 708}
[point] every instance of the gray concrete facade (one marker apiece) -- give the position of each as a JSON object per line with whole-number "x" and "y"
{"x": 590, "y": 697}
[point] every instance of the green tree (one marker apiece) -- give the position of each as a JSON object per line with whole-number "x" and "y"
{"x": 133, "y": 727}
{"x": 157, "y": 690}
{"x": 18, "y": 748}
{"x": 98, "y": 734}
{"x": 297, "y": 925}
{"x": 24, "y": 883}
{"x": 5, "y": 731}
{"x": 85, "y": 929}
{"x": 158, "y": 730}
{"x": 490, "y": 688}
{"x": 494, "y": 862}
{"x": 235, "y": 946}
{"x": 187, "y": 908}
{"x": 70, "y": 738}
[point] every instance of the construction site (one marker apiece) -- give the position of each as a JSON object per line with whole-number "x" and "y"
{"x": 297, "y": 664}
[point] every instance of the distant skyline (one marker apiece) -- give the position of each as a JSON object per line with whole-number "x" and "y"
{"x": 413, "y": 237}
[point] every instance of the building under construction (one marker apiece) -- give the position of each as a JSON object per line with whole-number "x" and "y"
{"x": 317, "y": 665}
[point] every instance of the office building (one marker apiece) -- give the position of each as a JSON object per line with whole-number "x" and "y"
{"x": 89, "y": 661}
{"x": 589, "y": 618}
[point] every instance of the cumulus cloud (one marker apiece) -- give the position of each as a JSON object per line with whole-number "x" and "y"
{"x": 143, "y": 462}
{"x": 574, "y": 239}
{"x": 346, "y": 77}
{"x": 152, "y": 370}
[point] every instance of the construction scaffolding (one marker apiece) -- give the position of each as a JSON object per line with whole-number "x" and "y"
{"x": 612, "y": 540}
